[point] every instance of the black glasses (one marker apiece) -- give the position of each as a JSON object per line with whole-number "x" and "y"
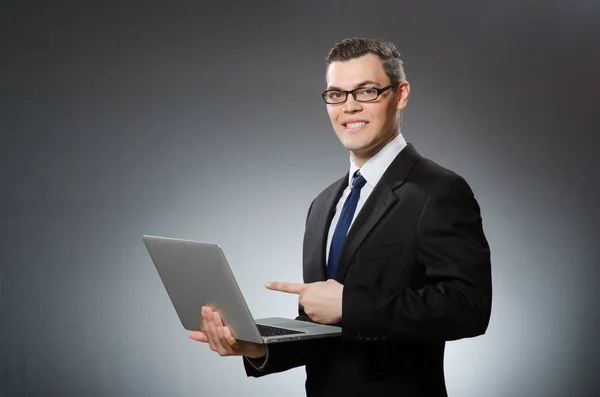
{"x": 362, "y": 94}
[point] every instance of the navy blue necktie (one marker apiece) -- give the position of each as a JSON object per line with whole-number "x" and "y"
{"x": 341, "y": 229}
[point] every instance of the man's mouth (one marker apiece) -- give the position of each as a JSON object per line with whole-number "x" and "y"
{"x": 354, "y": 125}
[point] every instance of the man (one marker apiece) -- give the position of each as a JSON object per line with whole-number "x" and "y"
{"x": 413, "y": 270}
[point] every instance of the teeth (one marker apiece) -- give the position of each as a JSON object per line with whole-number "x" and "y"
{"x": 355, "y": 125}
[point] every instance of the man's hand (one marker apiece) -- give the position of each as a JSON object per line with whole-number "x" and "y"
{"x": 322, "y": 301}
{"x": 220, "y": 339}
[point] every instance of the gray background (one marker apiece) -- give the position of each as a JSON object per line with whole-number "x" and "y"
{"x": 205, "y": 121}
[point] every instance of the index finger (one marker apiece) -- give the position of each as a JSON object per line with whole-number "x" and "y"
{"x": 292, "y": 288}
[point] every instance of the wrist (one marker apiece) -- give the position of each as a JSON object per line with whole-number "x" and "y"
{"x": 259, "y": 352}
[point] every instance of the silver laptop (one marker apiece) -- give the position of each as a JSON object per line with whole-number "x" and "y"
{"x": 197, "y": 273}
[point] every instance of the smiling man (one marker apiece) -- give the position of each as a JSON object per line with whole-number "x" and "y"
{"x": 371, "y": 118}
{"x": 394, "y": 252}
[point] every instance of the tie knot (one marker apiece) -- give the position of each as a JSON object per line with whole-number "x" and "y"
{"x": 358, "y": 181}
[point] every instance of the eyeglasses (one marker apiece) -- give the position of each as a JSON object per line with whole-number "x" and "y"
{"x": 362, "y": 94}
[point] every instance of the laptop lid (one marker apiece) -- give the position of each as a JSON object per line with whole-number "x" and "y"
{"x": 196, "y": 273}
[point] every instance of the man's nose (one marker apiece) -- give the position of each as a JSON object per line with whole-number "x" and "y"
{"x": 351, "y": 105}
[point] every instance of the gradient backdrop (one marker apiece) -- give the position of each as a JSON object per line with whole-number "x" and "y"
{"x": 205, "y": 121}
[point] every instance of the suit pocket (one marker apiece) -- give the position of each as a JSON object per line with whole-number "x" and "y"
{"x": 381, "y": 251}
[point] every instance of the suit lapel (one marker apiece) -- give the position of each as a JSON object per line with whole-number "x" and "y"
{"x": 379, "y": 202}
{"x": 325, "y": 211}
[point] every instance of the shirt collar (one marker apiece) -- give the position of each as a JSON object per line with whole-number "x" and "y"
{"x": 376, "y": 166}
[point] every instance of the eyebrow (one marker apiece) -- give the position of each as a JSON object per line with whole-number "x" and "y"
{"x": 359, "y": 85}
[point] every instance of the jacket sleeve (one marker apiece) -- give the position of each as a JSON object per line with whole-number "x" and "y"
{"x": 456, "y": 301}
{"x": 288, "y": 355}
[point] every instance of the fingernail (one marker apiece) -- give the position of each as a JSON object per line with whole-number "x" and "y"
{"x": 268, "y": 285}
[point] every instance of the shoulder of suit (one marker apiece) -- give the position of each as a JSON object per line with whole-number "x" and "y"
{"x": 429, "y": 174}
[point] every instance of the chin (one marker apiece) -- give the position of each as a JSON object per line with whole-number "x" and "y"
{"x": 356, "y": 145}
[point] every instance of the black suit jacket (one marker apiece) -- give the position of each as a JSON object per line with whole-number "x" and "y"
{"x": 416, "y": 273}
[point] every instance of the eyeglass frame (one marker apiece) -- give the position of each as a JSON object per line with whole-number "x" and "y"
{"x": 353, "y": 93}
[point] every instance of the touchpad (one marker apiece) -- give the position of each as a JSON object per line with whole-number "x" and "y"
{"x": 296, "y": 324}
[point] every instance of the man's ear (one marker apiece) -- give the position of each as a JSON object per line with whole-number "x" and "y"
{"x": 402, "y": 93}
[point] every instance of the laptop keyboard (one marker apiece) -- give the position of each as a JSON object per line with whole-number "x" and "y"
{"x": 266, "y": 330}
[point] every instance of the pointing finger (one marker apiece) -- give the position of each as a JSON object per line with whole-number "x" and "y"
{"x": 291, "y": 288}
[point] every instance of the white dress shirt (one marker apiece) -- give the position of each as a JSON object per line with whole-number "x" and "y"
{"x": 372, "y": 171}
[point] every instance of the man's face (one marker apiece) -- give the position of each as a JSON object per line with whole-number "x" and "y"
{"x": 364, "y": 127}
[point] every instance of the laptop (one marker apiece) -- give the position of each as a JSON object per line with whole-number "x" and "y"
{"x": 196, "y": 273}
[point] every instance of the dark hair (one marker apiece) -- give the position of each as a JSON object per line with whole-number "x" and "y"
{"x": 356, "y": 47}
